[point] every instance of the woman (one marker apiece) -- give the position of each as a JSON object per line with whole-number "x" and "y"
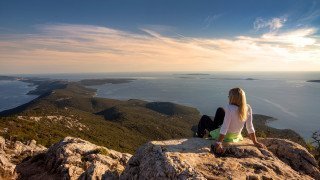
{"x": 231, "y": 119}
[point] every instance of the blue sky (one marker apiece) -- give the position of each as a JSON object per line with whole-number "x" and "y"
{"x": 189, "y": 17}
{"x": 179, "y": 20}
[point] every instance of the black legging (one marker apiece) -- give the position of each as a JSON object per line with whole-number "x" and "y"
{"x": 206, "y": 122}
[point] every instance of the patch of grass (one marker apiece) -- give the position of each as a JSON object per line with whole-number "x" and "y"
{"x": 103, "y": 151}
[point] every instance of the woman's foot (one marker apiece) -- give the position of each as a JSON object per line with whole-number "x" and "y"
{"x": 198, "y": 135}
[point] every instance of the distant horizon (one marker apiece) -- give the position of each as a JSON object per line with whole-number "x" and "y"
{"x": 133, "y": 72}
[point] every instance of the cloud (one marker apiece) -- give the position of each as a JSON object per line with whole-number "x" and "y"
{"x": 295, "y": 38}
{"x": 272, "y": 24}
{"x": 312, "y": 14}
{"x": 208, "y": 21}
{"x": 86, "y": 48}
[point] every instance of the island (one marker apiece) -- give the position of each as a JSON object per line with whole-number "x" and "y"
{"x": 247, "y": 79}
{"x": 194, "y": 74}
{"x": 94, "y": 82}
{"x": 317, "y": 81}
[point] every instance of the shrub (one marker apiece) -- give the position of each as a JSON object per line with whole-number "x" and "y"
{"x": 316, "y": 142}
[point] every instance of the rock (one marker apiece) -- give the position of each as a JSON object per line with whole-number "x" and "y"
{"x": 2, "y": 143}
{"x": 7, "y": 169}
{"x": 192, "y": 159}
{"x": 293, "y": 155}
{"x": 74, "y": 158}
{"x": 12, "y": 153}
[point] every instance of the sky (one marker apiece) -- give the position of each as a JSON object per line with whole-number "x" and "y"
{"x": 77, "y": 36}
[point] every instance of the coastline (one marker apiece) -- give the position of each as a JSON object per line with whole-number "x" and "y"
{"x": 46, "y": 87}
{"x": 264, "y": 131}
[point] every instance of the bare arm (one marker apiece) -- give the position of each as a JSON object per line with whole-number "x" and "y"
{"x": 253, "y": 138}
{"x": 251, "y": 131}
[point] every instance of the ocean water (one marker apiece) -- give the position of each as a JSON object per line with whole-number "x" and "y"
{"x": 287, "y": 97}
{"x": 13, "y": 94}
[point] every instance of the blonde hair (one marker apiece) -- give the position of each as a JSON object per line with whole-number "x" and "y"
{"x": 238, "y": 97}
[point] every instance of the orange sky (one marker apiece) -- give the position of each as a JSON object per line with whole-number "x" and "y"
{"x": 68, "y": 48}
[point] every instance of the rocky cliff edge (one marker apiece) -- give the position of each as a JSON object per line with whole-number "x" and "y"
{"x": 74, "y": 158}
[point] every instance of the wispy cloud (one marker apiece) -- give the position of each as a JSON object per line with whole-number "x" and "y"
{"x": 312, "y": 14}
{"x": 272, "y": 24}
{"x": 208, "y": 21}
{"x": 86, "y": 48}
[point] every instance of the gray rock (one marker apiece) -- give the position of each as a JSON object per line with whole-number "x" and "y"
{"x": 7, "y": 169}
{"x": 74, "y": 158}
{"x": 192, "y": 159}
{"x": 12, "y": 153}
{"x": 294, "y": 155}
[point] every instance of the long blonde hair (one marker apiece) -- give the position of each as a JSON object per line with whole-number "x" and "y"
{"x": 238, "y": 97}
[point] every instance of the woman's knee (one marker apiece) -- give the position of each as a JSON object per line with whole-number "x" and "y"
{"x": 205, "y": 117}
{"x": 220, "y": 112}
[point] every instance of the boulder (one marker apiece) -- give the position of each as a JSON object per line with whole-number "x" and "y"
{"x": 192, "y": 159}
{"x": 12, "y": 153}
{"x": 7, "y": 169}
{"x": 74, "y": 158}
{"x": 294, "y": 155}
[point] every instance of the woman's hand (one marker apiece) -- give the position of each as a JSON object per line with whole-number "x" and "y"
{"x": 255, "y": 142}
{"x": 260, "y": 145}
{"x": 218, "y": 148}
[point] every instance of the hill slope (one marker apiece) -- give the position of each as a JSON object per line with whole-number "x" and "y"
{"x": 73, "y": 111}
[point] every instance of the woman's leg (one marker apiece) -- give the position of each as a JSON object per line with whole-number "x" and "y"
{"x": 206, "y": 123}
{"x": 218, "y": 118}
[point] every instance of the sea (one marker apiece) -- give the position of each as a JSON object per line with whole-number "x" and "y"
{"x": 285, "y": 96}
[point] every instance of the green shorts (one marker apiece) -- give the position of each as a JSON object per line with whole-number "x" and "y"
{"x": 229, "y": 137}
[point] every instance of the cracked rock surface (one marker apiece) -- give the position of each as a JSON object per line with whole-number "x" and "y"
{"x": 192, "y": 159}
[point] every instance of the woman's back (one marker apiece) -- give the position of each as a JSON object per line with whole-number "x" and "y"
{"x": 232, "y": 122}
